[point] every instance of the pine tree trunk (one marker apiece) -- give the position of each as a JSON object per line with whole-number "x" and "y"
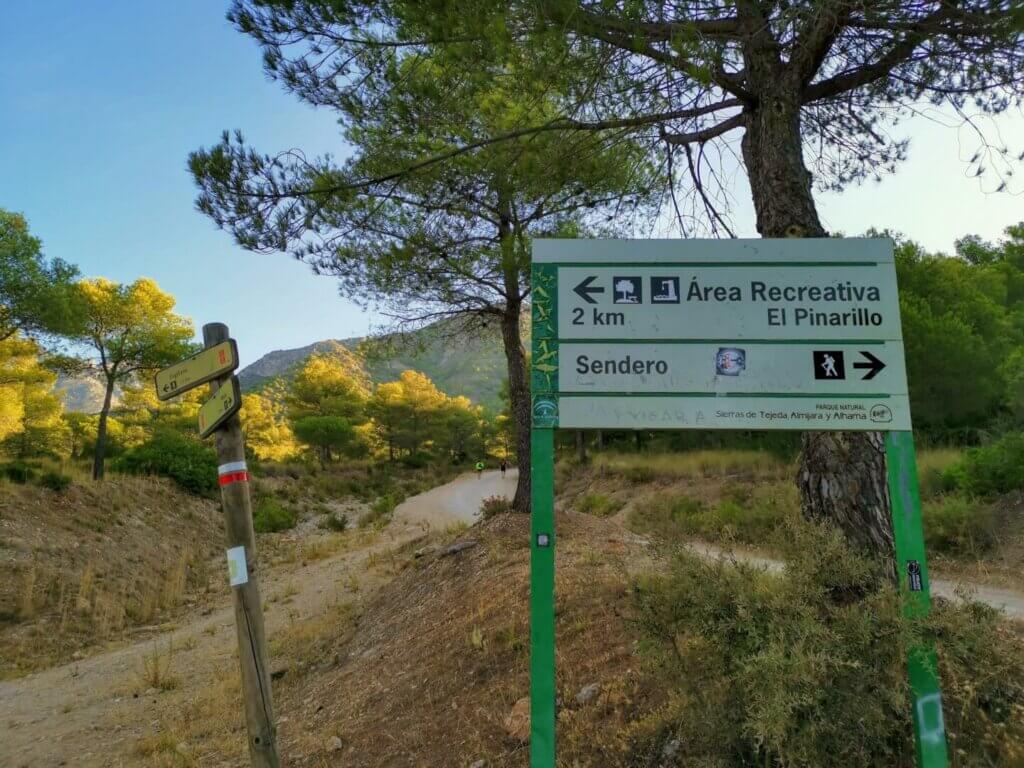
{"x": 519, "y": 399}
{"x": 842, "y": 475}
{"x": 101, "y": 432}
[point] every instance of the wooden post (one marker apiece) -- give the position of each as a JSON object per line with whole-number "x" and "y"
{"x": 252, "y": 642}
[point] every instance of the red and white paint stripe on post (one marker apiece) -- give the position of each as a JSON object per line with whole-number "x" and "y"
{"x": 233, "y": 472}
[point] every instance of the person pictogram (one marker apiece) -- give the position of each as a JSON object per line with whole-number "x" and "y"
{"x": 829, "y": 365}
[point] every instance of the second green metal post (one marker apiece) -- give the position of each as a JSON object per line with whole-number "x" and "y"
{"x": 922, "y": 665}
{"x": 542, "y": 601}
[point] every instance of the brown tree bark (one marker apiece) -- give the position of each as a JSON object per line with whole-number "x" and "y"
{"x": 842, "y": 475}
{"x": 519, "y": 399}
{"x": 101, "y": 432}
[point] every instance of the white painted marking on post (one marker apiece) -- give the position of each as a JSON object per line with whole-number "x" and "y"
{"x": 930, "y": 718}
{"x": 238, "y": 571}
{"x": 231, "y": 467}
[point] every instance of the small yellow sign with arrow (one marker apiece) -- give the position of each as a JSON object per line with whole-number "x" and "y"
{"x": 222, "y": 406}
{"x": 199, "y": 369}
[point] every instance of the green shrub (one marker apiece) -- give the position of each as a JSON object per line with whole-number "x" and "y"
{"x": 667, "y": 514}
{"x": 957, "y": 525}
{"x": 381, "y": 509}
{"x": 640, "y": 475}
{"x": 598, "y": 504}
{"x": 271, "y": 516}
{"x": 334, "y": 522}
{"x": 55, "y": 481}
{"x": 191, "y": 464}
{"x": 807, "y": 667}
{"x": 749, "y": 514}
{"x": 991, "y": 469}
{"x": 416, "y": 460}
{"x": 932, "y": 466}
{"x": 494, "y": 505}
{"x": 20, "y": 472}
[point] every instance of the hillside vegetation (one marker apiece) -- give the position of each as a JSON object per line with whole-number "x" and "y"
{"x": 464, "y": 363}
{"x": 84, "y": 567}
{"x": 656, "y": 666}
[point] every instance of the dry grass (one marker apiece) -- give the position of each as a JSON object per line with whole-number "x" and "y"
{"x": 156, "y": 669}
{"x": 644, "y": 467}
{"x": 440, "y": 654}
{"x": 931, "y": 463}
{"x": 163, "y": 750}
{"x": 83, "y": 567}
{"x": 27, "y": 596}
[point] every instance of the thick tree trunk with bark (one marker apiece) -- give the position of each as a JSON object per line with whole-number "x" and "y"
{"x": 101, "y": 432}
{"x": 842, "y": 475}
{"x": 519, "y": 399}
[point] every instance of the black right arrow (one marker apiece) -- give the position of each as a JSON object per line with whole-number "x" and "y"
{"x": 585, "y": 289}
{"x": 873, "y": 365}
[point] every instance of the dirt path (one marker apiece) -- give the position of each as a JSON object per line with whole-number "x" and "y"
{"x": 1006, "y": 600}
{"x": 458, "y": 501}
{"x": 92, "y": 712}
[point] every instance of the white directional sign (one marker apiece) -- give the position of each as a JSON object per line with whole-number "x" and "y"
{"x": 746, "y": 334}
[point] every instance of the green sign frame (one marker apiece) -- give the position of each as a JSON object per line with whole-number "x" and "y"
{"x": 929, "y": 726}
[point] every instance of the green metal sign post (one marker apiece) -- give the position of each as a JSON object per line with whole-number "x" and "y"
{"x": 922, "y": 665}
{"x": 739, "y": 334}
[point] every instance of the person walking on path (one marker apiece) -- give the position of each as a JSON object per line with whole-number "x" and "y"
{"x": 504, "y": 466}
{"x": 479, "y": 469}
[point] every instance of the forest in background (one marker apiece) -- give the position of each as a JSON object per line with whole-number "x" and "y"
{"x": 963, "y": 329}
{"x": 325, "y": 410}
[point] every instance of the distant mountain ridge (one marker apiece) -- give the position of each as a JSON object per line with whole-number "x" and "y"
{"x": 281, "y": 361}
{"x": 459, "y": 361}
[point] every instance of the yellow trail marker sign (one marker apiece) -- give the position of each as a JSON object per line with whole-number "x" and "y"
{"x": 198, "y": 369}
{"x": 222, "y": 406}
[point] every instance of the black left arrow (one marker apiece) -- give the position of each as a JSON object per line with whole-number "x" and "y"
{"x": 585, "y": 289}
{"x": 873, "y": 365}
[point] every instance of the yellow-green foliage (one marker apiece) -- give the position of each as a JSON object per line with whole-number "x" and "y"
{"x": 329, "y": 385}
{"x": 411, "y": 415}
{"x": 408, "y": 412}
{"x": 129, "y": 329}
{"x": 267, "y": 433}
{"x": 30, "y": 411}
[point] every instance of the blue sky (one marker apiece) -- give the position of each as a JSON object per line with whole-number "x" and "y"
{"x": 100, "y": 104}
